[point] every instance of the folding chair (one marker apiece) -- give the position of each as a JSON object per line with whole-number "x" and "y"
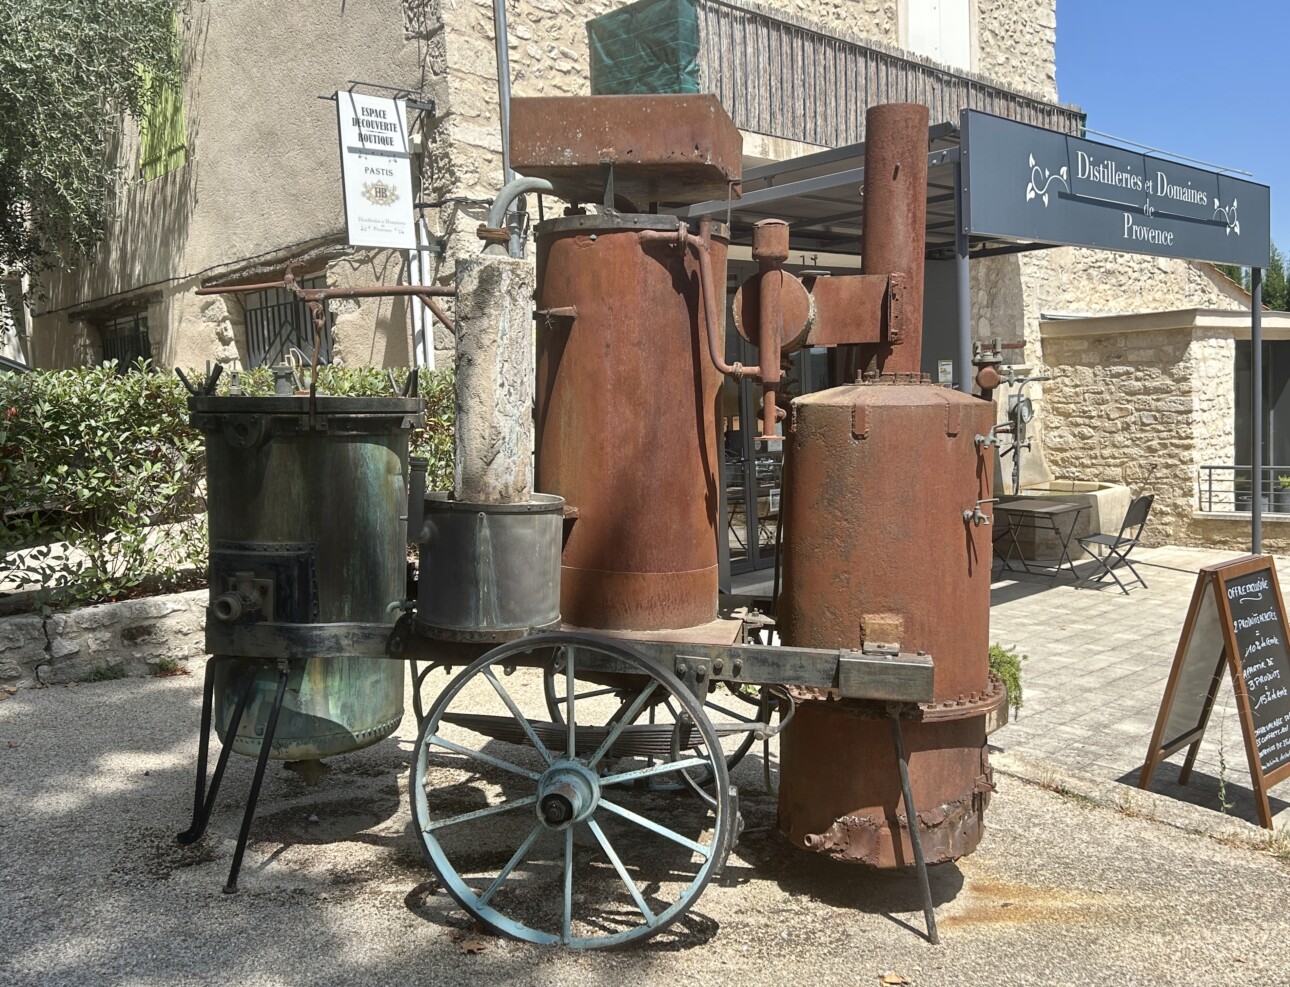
{"x": 1119, "y": 546}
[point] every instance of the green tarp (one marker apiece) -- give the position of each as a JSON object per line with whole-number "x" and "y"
{"x": 651, "y": 46}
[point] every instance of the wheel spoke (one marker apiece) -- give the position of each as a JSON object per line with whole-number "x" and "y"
{"x": 593, "y": 694}
{"x": 491, "y": 810}
{"x": 631, "y": 714}
{"x": 662, "y": 768}
{"x": 731, "y": 713}
{"x": 511, "y": 864}
{"x": 496, "y": 762}
{"x": 519, "y": 717}
{"x": 567, "y": 926}
{"x": 653, "y": 827}
{"x": 650, "y": 917}
{"x": 569, "y": 715}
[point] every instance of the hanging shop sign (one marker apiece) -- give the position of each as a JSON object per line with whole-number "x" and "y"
{"x": 1236, "y": 622}
{"x": 1030, "y": 184}
{"x": 376, "y": 171}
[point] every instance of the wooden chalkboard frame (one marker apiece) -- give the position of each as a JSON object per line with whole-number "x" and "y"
{"x": 1211, "y": 580}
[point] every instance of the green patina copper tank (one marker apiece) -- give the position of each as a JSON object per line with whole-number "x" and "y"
{"x": 307, "y": 525}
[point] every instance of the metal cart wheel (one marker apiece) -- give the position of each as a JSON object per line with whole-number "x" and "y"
{"x": 735, "y": 727}
{"x": 536, "y": 827}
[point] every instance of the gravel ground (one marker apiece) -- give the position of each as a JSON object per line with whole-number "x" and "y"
{"x": 95, "y": 781}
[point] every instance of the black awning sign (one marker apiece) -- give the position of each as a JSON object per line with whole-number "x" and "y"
{"x": 1030, "y": 184}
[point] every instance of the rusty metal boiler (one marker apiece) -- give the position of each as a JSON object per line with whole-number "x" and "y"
{"x": 884, "y": 545}
{"x": 626, "y": 417}
{"x": 877, "y": 550}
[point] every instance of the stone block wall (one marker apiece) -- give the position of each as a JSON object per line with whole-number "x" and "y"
{"x": 1017, "y": 44}
{"x": 130, "y": 637}
{"x": 1124, "y": 409}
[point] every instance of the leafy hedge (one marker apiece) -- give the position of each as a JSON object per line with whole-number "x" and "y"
{"x": 102, "y": 477}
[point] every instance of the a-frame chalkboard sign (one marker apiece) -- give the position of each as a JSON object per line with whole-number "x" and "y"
{"x": 1237, "y": 619}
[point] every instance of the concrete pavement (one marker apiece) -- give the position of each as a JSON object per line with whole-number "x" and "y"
{"x": 1096, "y": 673}
{"x": 1080, "y": 878}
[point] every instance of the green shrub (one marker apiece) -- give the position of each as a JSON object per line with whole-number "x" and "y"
{"x": 1006, "y": 663}
{"x": 434, "y": 440}
{"x": 106, "y": 673}
{"x": 99, "y": 481}
{"x": 102, "y": 477}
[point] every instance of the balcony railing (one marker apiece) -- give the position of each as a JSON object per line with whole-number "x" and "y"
{"x": 1229, "y": 489}
{"x": 781, "y": 76}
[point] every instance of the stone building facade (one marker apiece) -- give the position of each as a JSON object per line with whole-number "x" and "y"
{"x": 259, "y": 191}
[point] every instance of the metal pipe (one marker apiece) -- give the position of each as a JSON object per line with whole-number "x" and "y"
{"x": 895, "y": 218}
{"x": 322, "y": 294}
{"x": 503, "y": 86}
{"x": 770, "y": 250}
{"x": 712, "y": 313}
{"x": 1256, "y": 414}
{"x": 443, "y": 317}
{"x": 511, "y": 191}
{"x": 962, "y": 286}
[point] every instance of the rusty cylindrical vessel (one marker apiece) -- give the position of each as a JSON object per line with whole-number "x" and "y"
{"x": 877, "y": 550}
{"x": 627, "y": 424}
{"x": 306, "y": 512}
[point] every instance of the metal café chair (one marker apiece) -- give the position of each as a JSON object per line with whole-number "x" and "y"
{"x": 1118, "y": 547}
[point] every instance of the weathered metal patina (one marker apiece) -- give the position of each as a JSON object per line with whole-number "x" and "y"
{"x": 306, "y": 503}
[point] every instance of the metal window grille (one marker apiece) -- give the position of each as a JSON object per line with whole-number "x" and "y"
{"x": 125, "y": 340}
{"x": 278, "y": 322}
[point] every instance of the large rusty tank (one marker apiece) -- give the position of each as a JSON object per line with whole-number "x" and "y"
{"x": 877, "y": 550}
{"x": 626, "y": 427}
{"x": 887, "y": 543}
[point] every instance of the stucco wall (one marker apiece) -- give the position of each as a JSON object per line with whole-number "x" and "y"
{"x": 262, "y": 180}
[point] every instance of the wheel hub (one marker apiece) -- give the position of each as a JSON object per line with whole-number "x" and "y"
{"x": 568, "y": 793}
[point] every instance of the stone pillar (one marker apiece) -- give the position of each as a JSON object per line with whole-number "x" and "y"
{"x": 494, "y": 433}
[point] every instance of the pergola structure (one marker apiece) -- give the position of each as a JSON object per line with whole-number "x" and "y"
{"x": 996, "y": 186}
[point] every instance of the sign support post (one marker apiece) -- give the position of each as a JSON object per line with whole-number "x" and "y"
{"x": 1256, "y": 417}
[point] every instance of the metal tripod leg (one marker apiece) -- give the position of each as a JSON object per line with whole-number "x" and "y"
{"x": 204, "y": 799}
{"x": 920, "y": 865}
{"x": 265, "y": 745}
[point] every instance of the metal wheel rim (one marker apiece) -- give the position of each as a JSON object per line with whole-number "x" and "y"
{"x": 492, "y": 918}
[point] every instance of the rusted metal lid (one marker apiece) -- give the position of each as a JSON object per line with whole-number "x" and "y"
{"x": 674, "y": 149}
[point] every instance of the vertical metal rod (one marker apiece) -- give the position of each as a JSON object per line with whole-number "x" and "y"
{"x": 202, "y": 808}
{"x": 962, "y": 287}
{"x": 203, "y": 750}
{"x": 1256, "y": 414}
{"x": 500, "y": 36}
{"x": 920, "y": 865}
{"x": 261, "y": 762}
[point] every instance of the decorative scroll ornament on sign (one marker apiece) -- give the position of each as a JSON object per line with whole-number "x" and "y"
{"x": 1037, "y": 175}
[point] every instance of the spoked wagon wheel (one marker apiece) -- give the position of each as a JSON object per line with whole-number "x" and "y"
{"x": 734, "y": 717}
{"x": 537, "y": 828}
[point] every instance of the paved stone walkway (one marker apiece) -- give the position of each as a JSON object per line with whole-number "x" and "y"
{"x": 1096, "y": 673}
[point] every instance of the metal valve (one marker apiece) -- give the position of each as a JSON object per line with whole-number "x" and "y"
{"x": 975, "y": 516}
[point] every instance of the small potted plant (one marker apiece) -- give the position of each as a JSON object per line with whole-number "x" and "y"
{"x": 1281, "y": 494}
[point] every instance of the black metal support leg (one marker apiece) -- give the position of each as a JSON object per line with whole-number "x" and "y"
{"x": 920, "y": 865}
{"x": 260, "y": 764}
{"x": 204, "y": 799}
